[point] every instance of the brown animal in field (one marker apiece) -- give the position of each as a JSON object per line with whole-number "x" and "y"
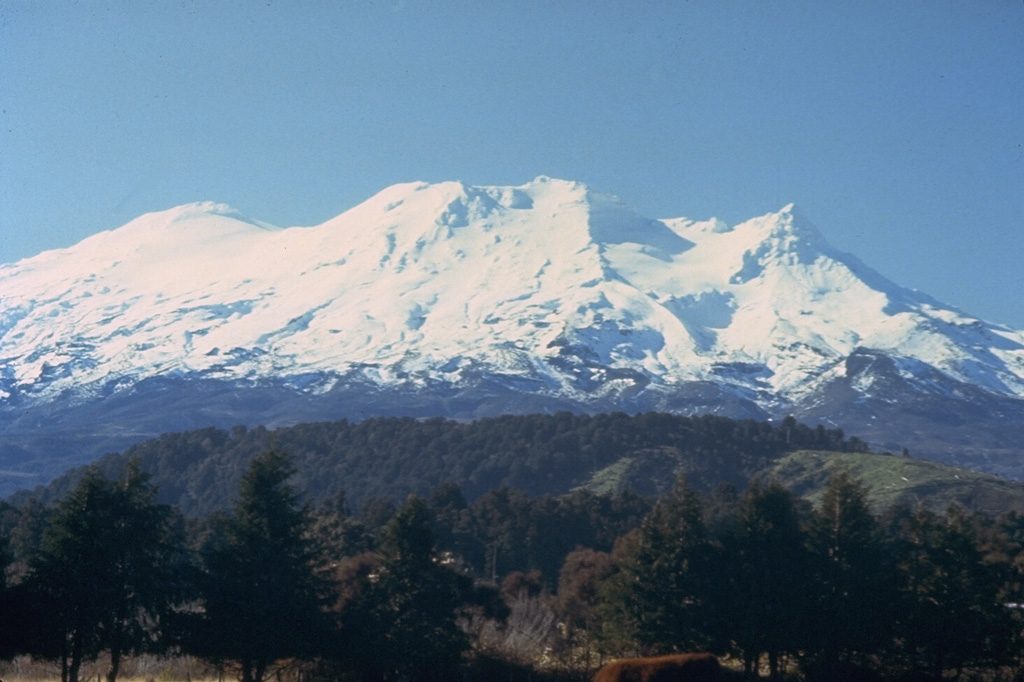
{"x": 675, "y": 668}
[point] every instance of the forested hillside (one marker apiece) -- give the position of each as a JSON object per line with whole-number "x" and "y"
{"x": 508, "y": 586}
{"x": 199, "y": 471}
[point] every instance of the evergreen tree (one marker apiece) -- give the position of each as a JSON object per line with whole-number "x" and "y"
{"x": 764, "y": 578}
{"x": 855, "y": 582}
{"x": 415, "y": 599}
{"x": 338, "y": 534}
{"x": 501, "y": 518}
{"x": 950, "y": 611}
{"x": 25, "y": 534}
{"x": 668, "y": 576}
{"x": 262, "y": 600}
{"x": 453, "y": 523}
{"x": 8, "y": 639}
{"x": 105, "y": 572}
{"x": 5, "y": 558}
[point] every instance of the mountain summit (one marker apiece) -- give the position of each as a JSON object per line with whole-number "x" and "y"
{"x": 464, "y": 301}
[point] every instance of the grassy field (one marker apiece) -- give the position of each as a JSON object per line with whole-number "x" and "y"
{"x": 138, "y": 669}
{"x": 893, "y": 479}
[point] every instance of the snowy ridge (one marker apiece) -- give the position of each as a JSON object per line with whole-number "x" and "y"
{"x": 548, "y": 282}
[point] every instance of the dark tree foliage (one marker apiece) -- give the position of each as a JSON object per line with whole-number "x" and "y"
{"x": 391, "y": 458}
{"x": 5, "y": 557}
{"x": 412, "y": 598}
{"x": 8, "y": 639}
{"x": 106, "y": 574}
{"x": 580, "y": 594}
{"x": 338, "y": 534}
{"x": 856, "y": 578}
{"x": 23, "y": 525}
{"x": 26, "y": 625}
{"x": 760, "y": 574}
{"x": 764, "y": 575}
{"x": 765, "y": 566}
{"x": 505, "y": 531}
{"x": 501, "y": 520}
{"x": 262, "y": 600}
{"x": 5, "y": 549}
{"x": 26, "y": 622}
{"x": 950, "y": 614}
{"x": 667, "y": 605}
{"x": 1002, "y": 541}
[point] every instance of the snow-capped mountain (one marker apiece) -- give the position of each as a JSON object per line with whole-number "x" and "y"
{"x": 460, "y": 301}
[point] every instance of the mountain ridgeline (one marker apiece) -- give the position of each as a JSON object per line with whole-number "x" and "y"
{"x": 391, "y": 458}
{"x": 456, "y": 301}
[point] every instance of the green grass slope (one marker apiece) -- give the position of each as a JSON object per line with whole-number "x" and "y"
{"x": 894, "y": 479}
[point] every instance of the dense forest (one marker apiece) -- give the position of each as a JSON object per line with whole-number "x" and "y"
{"x": 199, "y": 471}
{"x": 508, "y": 585}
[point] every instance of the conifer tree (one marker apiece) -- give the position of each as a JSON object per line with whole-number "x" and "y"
{"x": 262, "y": 600}
{"x": 105, "y": 571}
{"x": 766, "y": 574}
{"x": 8, "y": 639}
{"x": 855, "y": 584}
{"x": 666, "y": 603}
{"x": 417, "y": 599}
{"x": 950, "y": 611}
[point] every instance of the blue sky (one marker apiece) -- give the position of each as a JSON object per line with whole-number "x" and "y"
{"x": 897, "y": 127}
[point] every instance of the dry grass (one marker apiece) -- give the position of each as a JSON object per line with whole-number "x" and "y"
{"x": 139, "y": 669}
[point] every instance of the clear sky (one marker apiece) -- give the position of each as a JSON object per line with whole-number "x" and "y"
{"x": 897, "y": 127}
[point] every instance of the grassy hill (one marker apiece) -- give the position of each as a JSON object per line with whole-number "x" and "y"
{"x": 894, "y": 479}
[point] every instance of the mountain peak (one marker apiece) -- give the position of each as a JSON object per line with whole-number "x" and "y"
{"x": 199, "y": 208}
{"x": 422, "y": 274}
{"x": 791, "y": 218}
{"x": 545, "y": 294}
{"x": 558, "y": 183}
{"x": 787, "y": 231}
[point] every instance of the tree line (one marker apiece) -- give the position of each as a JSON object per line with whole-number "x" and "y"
{"x": 439, "y": 588}
{"x": 390, "y": 457}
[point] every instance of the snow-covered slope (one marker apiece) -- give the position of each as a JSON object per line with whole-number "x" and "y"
{"x": 548, "y": 289}
{"x": 548, "y": 280}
